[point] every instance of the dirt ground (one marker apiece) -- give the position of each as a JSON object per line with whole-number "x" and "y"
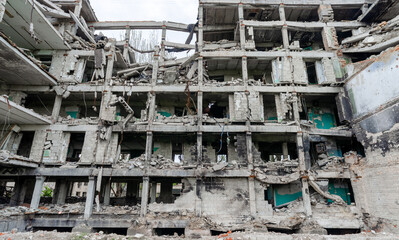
{"x": 43, "y": 235}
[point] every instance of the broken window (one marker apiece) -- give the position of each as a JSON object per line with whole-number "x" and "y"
{"x": 40, "y": 103}
{"x": 216, "y": 106}
{"x": 259, "y": 70}
{"x": 25, "y": 144}
{"x": 225, "y": 147}
{"x": 224, "y": 71}
{"x": 307, "y": 41}
{"x": 270, "y": 112}
{"x": 320, "y": 111}
{"x": 81, "y": 105}
{"x": 165, "y": 190}
{"x": 75, "y": 147}
{"x": 311, "y": 71}
{"x": 137, "y": 102}
{"x": 274, "y": 148}
{"x": 132, "y": 146}
{"x": 287, "y": 193}
{"x": 173, "y": 148}
{"x": 177, "y": 152}
{"x": 170, "y": 106}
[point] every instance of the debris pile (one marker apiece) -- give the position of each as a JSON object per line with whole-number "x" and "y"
{"x": 372, "y": 36}
{"x": 157, "y": 161}
{"x": 185, "y": 120}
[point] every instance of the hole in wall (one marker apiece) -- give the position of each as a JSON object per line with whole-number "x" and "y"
{"x": 119, "y": 231}
{"x": 169, "y": 231}
{"x": 50, "y": 229}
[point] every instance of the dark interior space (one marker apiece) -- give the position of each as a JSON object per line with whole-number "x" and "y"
{"x": 119, "y": 231}
{"x": 169, "y": 231}
{"x": 26, "y": 144}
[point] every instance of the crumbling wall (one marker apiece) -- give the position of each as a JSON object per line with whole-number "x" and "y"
{"x": 56, "y": 147}
{"x": 225, "y": 199}
{"x": 248, "y": 104}
{"x": 183, "y": 203}
{"x": 373, "y": 93}
{"x": 378, "y": 82}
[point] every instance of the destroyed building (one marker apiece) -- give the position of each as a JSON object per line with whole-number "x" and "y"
{"x": 285, "y": 118}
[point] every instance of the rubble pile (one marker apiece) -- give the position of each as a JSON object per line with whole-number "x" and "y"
{"x": 119, "y": 210}
{"x": 185, "y": 120}
{"x": 157, "y": 161}
{"x": 232, "y": 82}
{"x": 376, "y": 34}
{"x": 325, "y": 162}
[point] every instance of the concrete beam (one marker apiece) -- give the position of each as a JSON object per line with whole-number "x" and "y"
{"x": 267, "y": 55}
{"x": 122, "y": 25}
{"x": 302, "y": 26}
{"x": 288, "y": 2}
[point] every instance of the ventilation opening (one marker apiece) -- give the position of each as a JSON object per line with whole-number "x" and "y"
{"x": 217, "y": 232}
{"x": 340, "y": 231}
{"x": 281, "y": 230}
{"x": 50, "y": 229}
{"x": 169, "y": 231}
{"x": 119, "y": 231}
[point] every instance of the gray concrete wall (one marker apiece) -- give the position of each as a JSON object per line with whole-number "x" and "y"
{"x": 375, "y": 85}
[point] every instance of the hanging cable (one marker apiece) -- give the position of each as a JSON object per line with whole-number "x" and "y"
{"x": 40, "y": 100}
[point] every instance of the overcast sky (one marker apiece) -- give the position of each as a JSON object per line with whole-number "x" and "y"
{"x": 182, "y": 11}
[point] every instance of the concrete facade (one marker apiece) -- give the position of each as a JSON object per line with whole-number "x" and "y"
{"x": 284, "y": 118}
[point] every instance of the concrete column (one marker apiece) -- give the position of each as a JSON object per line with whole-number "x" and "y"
{"x": 56, "y": 108}
{"x": 199, "y": 147}
{"x": 107, "y": 193}
{"x": 16, "y": 192}
{"x": 91, "y": 192}
{"x": 200, "y": 27}
{"x": 126, "y": 45}
{"x": 155, "y": 66}
{"x": 306, "y": 149}
{"x": 148, "y": 147}
{"x": 295, "y": 108}
{"x": 249, "y": 149}
{"x": 200, "y": 71}
{"x": 284, "y": 30}
{"x": 23, "y": 192}
{"x": 62, "y": 192}
{"x": 306, "y": 197}
{"x": 162, "y": 58}
{"x": 166, "y": 195}
{"x": 302, "y": 168}
{"x": 245, "y": 70}
{"x": 153, "y": 195}
{"x": 37, "y": 192}
{"x": 144, "y": 196}
{"x": 285, "y": 150}
{"x": 198, "y": 199}
{"x": 151, "y": 109}
{"x": 280, "y": 116}
{"x": 252, "y": 196}
{"x": 242, "y": 26}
